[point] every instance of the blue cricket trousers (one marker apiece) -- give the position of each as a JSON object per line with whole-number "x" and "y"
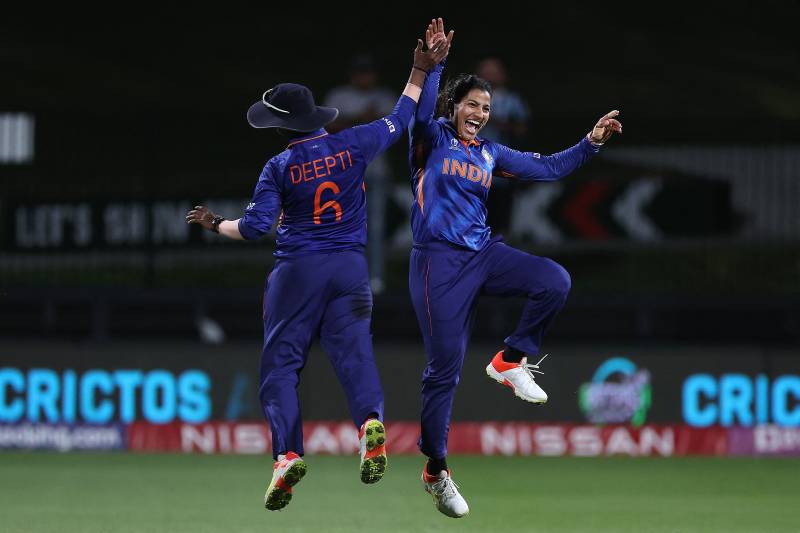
{"x": 325, "y": 295}
{"x": 445, "y": 282}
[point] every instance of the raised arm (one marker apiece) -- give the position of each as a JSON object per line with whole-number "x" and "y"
{"x": 530, "y": 166}
{"x": 426, "y": 61}
{"x": 423, "y": 118}
{"x": 380, "y": 134}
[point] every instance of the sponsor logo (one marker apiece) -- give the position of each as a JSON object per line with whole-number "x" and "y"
{"x": 389, "y": 123}
{"x": 770, "y": 439}
{"x": 618, "y": 392}
{"x": 101, "y": 396}
{"x": 60, "y": 437}
{"x": 488, "y": 438}
{"x": 519, "y": 439}
{"x": 741, "y": 400}
{"x": 250, "y": 206}
{"x": 338, "y": 438}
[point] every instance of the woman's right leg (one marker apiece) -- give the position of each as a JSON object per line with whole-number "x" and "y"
{"x": 444, "y": 284}
{"x": 443, "y": 290}
{"x": 292, "y": 310}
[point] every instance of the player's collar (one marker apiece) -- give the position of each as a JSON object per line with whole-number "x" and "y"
{"x": 449, "y": 125}
{"x": 308, "y": 137}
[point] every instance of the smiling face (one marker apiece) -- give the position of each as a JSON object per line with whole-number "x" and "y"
{"x": 471, "y": 113}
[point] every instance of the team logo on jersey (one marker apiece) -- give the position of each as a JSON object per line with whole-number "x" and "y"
{"x": 454, "y": 144}
{"x": 487, "y": 156}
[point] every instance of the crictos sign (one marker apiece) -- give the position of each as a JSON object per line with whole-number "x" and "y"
{"x": 102, "y": 396}
{"x": 741, "y": 400}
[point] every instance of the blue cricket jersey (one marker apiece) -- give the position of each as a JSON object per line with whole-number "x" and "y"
{"x": 317, "y": 184}
{"x": 452, "y": 178}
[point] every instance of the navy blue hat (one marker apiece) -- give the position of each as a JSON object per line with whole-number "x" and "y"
{"x": 290, "y": 106}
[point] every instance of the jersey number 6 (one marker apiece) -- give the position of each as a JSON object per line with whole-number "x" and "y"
{"x": 330, "y": 204}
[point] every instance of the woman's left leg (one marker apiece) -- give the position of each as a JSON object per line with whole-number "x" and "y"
{"x": 542, "y": 281}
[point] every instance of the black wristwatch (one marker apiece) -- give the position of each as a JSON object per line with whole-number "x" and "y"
{"x": 216, "y": 222}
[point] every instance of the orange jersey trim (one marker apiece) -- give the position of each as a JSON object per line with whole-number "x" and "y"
{"x": 420, "y": 195}
{"x": 305, "y": 140}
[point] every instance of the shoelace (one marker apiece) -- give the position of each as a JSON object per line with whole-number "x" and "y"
{"x": 446, "y": 487}
{"x": 530, "y": 369}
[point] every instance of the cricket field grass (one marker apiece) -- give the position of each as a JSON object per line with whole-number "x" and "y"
{"x": 90, "y": 492}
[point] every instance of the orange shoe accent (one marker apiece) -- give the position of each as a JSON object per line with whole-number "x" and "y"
{"x": 502, "y": 366}
{"x": 429, "y": 478}
{"x": 377, "y": 450}
{"x": 288, "y": 457}
{"x": 281, "y": 484}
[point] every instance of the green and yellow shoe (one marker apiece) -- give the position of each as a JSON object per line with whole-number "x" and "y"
{"x": 372, "y": 438}
{"x": 287, "y": 472}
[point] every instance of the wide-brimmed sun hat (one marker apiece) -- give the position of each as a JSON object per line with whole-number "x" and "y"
{"x": 290, "y": 106}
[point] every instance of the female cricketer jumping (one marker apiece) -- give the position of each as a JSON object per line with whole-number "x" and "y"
{"x": 455, "y": 258}
{"x": 319, "y": 285}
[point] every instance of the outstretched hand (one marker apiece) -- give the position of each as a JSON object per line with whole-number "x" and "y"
{"x": 605, "y": 128}
{"x": 201, "y": 215}
{"x": 435, "y": 33}
{"x": 438, "y": 47}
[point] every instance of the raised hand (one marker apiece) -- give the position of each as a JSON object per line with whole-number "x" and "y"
{"x": 436, "y": 53}
{"x": 605, "y": 127}
{"x": 435, "y": 32}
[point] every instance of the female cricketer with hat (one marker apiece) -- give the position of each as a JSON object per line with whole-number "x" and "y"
{"x": 319, "y": 285}
{"x": 455, "y": 258}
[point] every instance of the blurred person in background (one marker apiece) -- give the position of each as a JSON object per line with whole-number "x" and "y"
{"x": 319, "y": 285}
{"x": 510, "y": 112}
{"x": 360, "y": 101}
{"x": 455, "y": 257}
{"x": 509, "y": 125}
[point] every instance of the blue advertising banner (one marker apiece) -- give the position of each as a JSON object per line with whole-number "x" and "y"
{"x": 189, "y": 382}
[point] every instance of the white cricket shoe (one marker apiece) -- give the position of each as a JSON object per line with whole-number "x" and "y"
{"x": 518, "y": 376}
{"x": 445, "y": 494}
{"x": 289, "y": 469}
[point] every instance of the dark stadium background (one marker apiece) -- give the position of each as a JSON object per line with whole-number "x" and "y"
{"x": 122, "y": 330}
{"x": 145, "y": 108}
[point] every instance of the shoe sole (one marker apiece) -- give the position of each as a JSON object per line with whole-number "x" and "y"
{"x": 279, "y": 497}
{"x": 497, "y": 377}
{"x": 372, "y": 469}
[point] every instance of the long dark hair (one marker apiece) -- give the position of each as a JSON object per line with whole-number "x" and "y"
{"x": 455, "y": 91}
